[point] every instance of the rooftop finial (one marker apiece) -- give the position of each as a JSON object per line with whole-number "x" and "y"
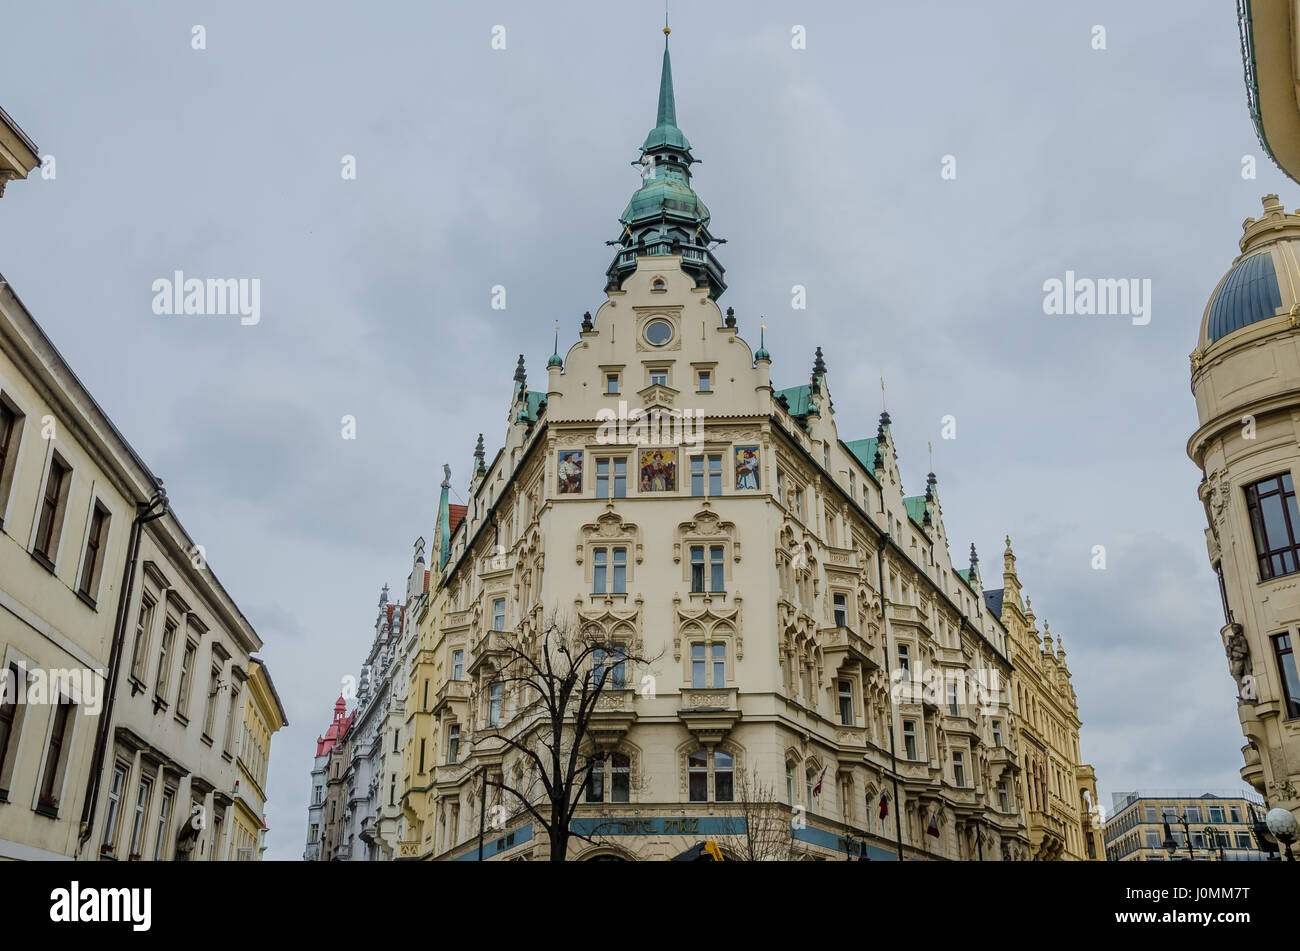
{"x": 556, "y": 360}
{"x": 520, "y": 375}
{"x": 974, "y": 558}
{"x": 819, "y": 365}
{"x": 762, "y": 353}
{"x": 587, "y": 325}
{"x": 731, "y": 317}
{"x": 479, "y": 467}
{"x": 446, "y": 476}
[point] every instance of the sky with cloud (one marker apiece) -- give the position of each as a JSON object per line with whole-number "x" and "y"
{"x": 821, "y": 166}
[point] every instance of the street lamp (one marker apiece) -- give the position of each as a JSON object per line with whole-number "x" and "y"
{"x": 1212, "y": 841}
{"x": 1170, "y": 845}
{"x": 1284, "y": 827}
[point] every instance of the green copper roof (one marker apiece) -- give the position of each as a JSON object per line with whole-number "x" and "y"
{"x": 798, "y": 398}
{"x": 665, "y": 132}
{"x": 916, "y": 509}
{"x": 663, "y": 194}
{"x": 532, "y": 404}
{"x": 865, "y": 451}
{"x": 965, "y": 575}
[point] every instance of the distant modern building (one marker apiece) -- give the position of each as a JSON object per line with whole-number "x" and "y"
{"x": 1270, "y": 43}
{"x": 1245, "y": 374}
{"x": 1219, "y": 827}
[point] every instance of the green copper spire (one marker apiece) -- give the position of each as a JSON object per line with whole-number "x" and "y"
{"x": 665, "y": 132}
{"x": 444, "y": 519}
{"x": 556, "y": 360}
{"x": 665, "y": 216}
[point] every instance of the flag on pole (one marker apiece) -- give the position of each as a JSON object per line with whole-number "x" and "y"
{"x": 884, "y": 805}
{"x": 817, "y": 789}
{"x": 933, "y": 828}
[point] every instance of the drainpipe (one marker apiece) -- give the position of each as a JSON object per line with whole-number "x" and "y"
{"x": 884, "y": 650}
{"x": 146, "y": 512}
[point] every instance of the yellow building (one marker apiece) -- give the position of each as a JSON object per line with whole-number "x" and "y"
{"x": 429, "y": 694}
{"x": 1218, "y": 827}
{"x": 263, "y": 716}
{"x": 1058, "y": 790}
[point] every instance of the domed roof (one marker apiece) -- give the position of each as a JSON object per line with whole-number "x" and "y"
{"x": 1247, "y": 294}
{"x": 1264, "y": 282}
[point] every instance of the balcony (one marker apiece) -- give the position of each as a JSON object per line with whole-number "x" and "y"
{"x": 1003, "y": 756}
{"x": 492, "y": 645}
{"x": 612, "y": 717}
{"x": 1046, "y": 835}
{"x": 709, "y": 713}
{"x": 452, "y": 690}
{"x": 841, "y": 645}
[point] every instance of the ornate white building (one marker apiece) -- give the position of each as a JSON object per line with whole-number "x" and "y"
{"x": 807, "y": 628}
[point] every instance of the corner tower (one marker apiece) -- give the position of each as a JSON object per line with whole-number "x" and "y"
{"x": 665, "y": 216}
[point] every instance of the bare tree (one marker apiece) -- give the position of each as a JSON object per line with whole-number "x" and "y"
{"x": 766, "y": 835}
{"x": 555, "y": 678}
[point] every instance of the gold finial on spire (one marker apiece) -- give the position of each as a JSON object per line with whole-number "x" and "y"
{"x": 666, "y": 29}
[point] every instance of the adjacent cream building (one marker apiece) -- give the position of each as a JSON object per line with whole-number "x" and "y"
{"x": 806, "y": 626}
{"x": 1245, "y": 378}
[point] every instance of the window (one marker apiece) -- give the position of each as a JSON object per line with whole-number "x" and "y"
{"x": 904, "y": 662}
{"x": 1193, "y": 814}
{"x": 697, "y": 771}
{"x": 789, "y": 782}
{"x": 705, "y": 382}
{"x": 143, "y": 627}
{"x": 611, "y": 384}
{"x": 697, "y": 569}
{"x": 453, "y": 743}
{"x": 1274, "y": 521}
{"x": 50, "y": 523}
{"x": 114, "y": 809}
{"x": 997, "y": 733}
{"x": 1152, "y": 839}
{"x": 1287, "y": 668}
{"x": 1198, "y": 840}
{"x": 700, "y": 666}
{"x": 92, "y": 561}
{"x": 164, "y": 655}
{"x": 1149, "y": 814}
{"x": 780, "y": 487}
{"x": 909, "y": 739}
{"x": 853, "y": 486}
{"x": 658, "y": 332}
{"x": 457, "y": 664}
{"x": 611, "y": 473}
{"x": 952, "y": 700}
{"x": 716, "y": 568}
{"x": 11, "y": 427}
{"x": 494, "y": 705}
{"x": 798, "y": 503}
{"x": 1004, "y": 799}
{"x": 596, "y": 782}
{"x": 499, "y": 614}
{"x": 601, "y": 578}
{"x": 846, "y": 702}
{"x": 210, "y": 710}
{"x": 141, "y": 810}
{"x": 616, "y": 679}
{"x": 1216, "y": 813}
{"x": 1243, "y": 840}
{"x": 620, "y": 787}
{"x": 713, "y": 485}
{"x": 164, "y": 813}
{"x": 958, "y": 769}
{"x": 421, "y": 756}
{"x": 723, "y": 777}
{"x": 841, "y": 602}
{"x": 810, "y": 783}
{"x": 1235, "y": 813}
{"x": 12, "y": 714}
{"x": 187, "y": 677}
{"x": 658, "y": 377}
{"x": 56, "y": 756}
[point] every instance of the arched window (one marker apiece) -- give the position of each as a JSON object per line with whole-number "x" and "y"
{"x": 810, "y": 777}
{"x": 789, "y": 782}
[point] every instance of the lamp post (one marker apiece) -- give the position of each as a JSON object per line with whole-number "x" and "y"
{"x": 1284, "y": 827}
{"x": 1170, "y": 845}
{"x": 1212, "y": 841}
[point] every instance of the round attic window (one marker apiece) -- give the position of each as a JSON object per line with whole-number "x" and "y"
{"x": 658, "y": 332}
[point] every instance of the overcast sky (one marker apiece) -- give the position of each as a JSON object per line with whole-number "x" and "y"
{"x": 478, "y": 167}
